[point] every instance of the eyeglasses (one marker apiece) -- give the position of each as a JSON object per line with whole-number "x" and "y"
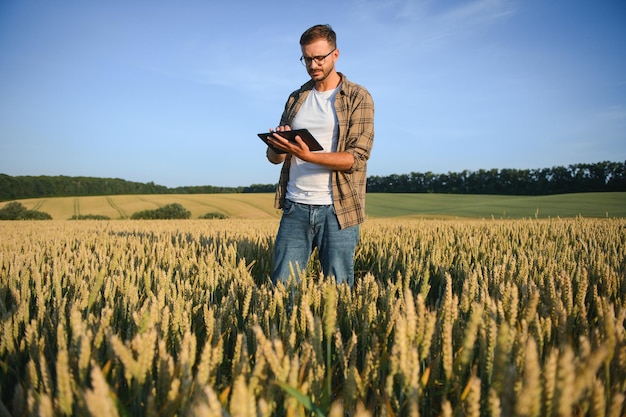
{"x": 319, "y": 60}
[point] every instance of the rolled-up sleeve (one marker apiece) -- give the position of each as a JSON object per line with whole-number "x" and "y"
{"x": 360, "y": 138}
{"x": 355, "y": 114}
{"x": 358, "y": 125}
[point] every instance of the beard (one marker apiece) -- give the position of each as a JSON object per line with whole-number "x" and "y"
{"x": 320, "y": 74}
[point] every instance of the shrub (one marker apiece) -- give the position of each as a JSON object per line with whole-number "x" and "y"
{"x": 89, "y": 217}
{"x": 169, "y": 211}
{"x": 34, "y": 215}
{"x": 214, "y": 215}
{"x": 11, "y": 211}
{"x": 17, "y": 211}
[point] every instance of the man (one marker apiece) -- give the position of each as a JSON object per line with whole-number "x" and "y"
{"x": 322, "y": 193}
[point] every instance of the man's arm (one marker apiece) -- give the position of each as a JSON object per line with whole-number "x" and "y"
{"x": 336, "y": 161}
{"x": 275, "y": 158}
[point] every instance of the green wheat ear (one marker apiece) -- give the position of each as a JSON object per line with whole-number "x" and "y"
{"x": 330, "y": 321}
{"x": 93, "y": 294}
{"x": 305, "y": 400}
{"x": 330, "y": 311}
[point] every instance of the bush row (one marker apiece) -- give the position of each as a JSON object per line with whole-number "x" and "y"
{"x": 17, "y": 211}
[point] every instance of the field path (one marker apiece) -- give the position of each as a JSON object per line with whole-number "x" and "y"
{"x": 76, "y": 207}
{"x": 214, "y": 207}
{"x": 150, "y": 200}
{"x": 38, "y": 205}
{"x": 265, "y": 208}
{"x": 117, "y": 208}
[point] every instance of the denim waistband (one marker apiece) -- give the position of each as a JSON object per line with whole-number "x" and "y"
{"x": 309, "y": 205}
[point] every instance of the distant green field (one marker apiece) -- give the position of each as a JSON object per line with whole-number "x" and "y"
{"x": 379, "y": 205}
{"x": 497, "y": 206}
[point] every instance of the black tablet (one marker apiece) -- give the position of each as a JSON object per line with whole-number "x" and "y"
{"x": 290, "y": 135}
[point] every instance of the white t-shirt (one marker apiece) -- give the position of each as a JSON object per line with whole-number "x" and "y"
{"x": 311, "y": 183}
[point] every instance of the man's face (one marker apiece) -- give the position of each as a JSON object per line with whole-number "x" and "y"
{"x": 318, "y": 49}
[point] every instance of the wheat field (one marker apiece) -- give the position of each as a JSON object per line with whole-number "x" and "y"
{"x": 379, "y": 205}
{"x": 446, "y": 318}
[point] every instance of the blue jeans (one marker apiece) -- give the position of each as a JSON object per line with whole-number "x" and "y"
{"x": 305, "y": 227}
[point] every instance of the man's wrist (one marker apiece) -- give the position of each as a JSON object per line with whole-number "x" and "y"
{"x": 273, "y": 157}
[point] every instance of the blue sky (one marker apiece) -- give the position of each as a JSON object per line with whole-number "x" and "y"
{"x": 174, "y": 92}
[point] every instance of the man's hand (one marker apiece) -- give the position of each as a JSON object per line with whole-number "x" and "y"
{"x": 276, "y": 143}
{"x": 297, "y": 148}
{"x": 337, "y": 161}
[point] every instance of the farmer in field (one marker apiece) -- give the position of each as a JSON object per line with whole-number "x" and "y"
{"x": 322, "y": 193}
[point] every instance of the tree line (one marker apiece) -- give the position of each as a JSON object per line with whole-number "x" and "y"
{"x": 19, "y": 187}
{"x": 597, "y": 177}
{"x": 577, "y": 178}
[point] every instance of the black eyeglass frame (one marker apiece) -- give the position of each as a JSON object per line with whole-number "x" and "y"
{"x": 319, "y": 60}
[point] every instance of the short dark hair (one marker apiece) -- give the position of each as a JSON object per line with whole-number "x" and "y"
{"x": 319, "y": 32}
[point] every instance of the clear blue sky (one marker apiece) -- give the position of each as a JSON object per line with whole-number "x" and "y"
{"x": 174, "y": 92}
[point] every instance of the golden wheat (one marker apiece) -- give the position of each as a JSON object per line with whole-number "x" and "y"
{"x": 174, "y": 318}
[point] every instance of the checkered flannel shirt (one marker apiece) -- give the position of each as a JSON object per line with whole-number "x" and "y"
{"x": 355, "y": 113}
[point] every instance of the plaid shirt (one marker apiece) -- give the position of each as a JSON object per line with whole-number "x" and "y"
{"x": 355, "y": 113}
